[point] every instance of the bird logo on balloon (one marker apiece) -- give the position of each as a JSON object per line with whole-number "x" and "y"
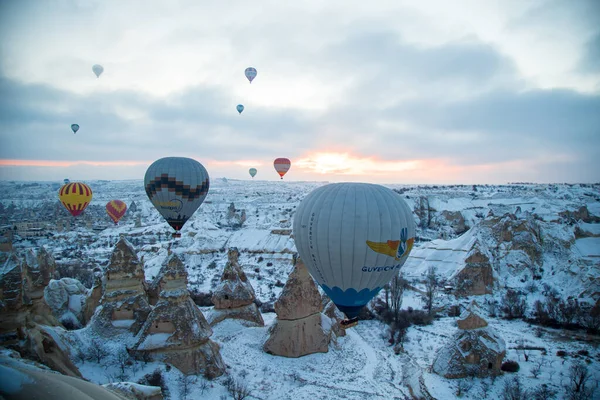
{"x": 394, "y": 248}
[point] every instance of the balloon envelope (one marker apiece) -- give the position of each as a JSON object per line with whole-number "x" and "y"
{"x": 282, "y": 166}
{"x": 176, "y": 186}
{"x": 75, "y": 196}
{"x": 116, "y": 209}
{"x": 353, "y": 238}
{"x": 250, "y": 73}
{"x": 98, "y": 70}
{"x": 74, "y": 128}
{"x": 239, "y": 108}
{"x": 252, "y": 172}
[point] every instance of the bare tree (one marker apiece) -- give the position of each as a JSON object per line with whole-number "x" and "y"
{"x": 543, "y": 392}
{"x": 513, "y": 305}
{"x": 579, "y": 377}
{"x": 513, "y": 390}
{"x": 432, "y": 285}
{"x": 397, "y": 286}
{"x": 536, "y": 370}
{"x": 237, "y": 389}
{"x": 97, "y": 350}
{"x": 123, "y": 359}
{"x": 185, "y": 383}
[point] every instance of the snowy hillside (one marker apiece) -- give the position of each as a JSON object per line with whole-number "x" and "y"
{"x": 535, "y": 239}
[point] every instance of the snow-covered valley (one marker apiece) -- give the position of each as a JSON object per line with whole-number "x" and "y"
{"x": 539, "y": 241}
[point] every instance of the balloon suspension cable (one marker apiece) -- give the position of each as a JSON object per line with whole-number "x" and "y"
{"x": 349, "y": 322}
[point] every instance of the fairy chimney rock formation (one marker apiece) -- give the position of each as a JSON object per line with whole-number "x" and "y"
{"x": 300, "y": 296}
{"x": 475, "y": 350}
{"x": 300, "y": 327}
{"x": 124, "y": 304}
{"x": 40, "y": 269}
{"x": 19, "y": 304}
{"x": 176, "y": 331}
{"x": 234, "y": 297}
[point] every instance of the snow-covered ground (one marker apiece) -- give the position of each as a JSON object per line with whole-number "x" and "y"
{"x": 361, "y": 365}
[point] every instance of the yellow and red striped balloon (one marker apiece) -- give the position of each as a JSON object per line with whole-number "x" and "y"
{"x": 116, "y": 209}
{"x": 75, "y": 196}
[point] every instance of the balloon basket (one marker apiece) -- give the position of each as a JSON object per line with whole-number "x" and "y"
{"x": 176, "y": 234}
{"x": 349, "y": 323}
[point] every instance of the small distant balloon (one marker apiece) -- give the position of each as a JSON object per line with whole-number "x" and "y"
{"x": 116, "y": 209}
{"x": 74, "y": 128}
{"x": 282, "y": 166}
{"x": 252, "y": 172}
{"x": 250, "y": 73}
{"x": 66, "y": 181}
{"x": 239, "y": 108}
{"x": 98, "y": 70}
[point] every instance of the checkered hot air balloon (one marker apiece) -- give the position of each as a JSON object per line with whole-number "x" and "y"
{"x": 176, "y": 186}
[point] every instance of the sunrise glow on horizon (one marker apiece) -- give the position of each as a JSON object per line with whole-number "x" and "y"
{"x": 412, "y": 92}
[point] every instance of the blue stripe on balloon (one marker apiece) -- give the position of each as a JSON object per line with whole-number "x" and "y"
{"x": 350, "y": 297}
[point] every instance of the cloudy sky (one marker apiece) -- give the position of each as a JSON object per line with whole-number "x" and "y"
{"x": 394, "y": 91}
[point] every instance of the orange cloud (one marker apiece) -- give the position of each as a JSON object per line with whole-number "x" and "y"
{"x": 348, "y": 164}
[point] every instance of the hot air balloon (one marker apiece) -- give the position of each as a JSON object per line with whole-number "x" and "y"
{"x": 282, "y": 165}
{"x": 239, "y": 108}
{"x": 74, "y": 128}
{"x": 252, "y": 171}
{"x": 353, "y": 238}
{"x": 250, "y": 73}
{"x": 115, "y": 210}
{"x": 66, "y": 180}
{"x": 75, "y": 196}
{"x": 176, "y": 186}
{"x": 98, "y": 70}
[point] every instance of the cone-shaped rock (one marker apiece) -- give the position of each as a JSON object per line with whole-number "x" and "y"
{"x": 300, "y": 296}
{"x": 234, "y": 297}
{"x": 475, "y": 350}
{"x": 124, "y": 304}
{"x": 176, "y": 331}
{"x": 300, "y": 327}
{"x": 40, "y": 269}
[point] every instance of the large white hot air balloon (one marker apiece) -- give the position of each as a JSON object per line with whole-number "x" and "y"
{"x": 353, "y": 238}
{"x": 176, "y": 186}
